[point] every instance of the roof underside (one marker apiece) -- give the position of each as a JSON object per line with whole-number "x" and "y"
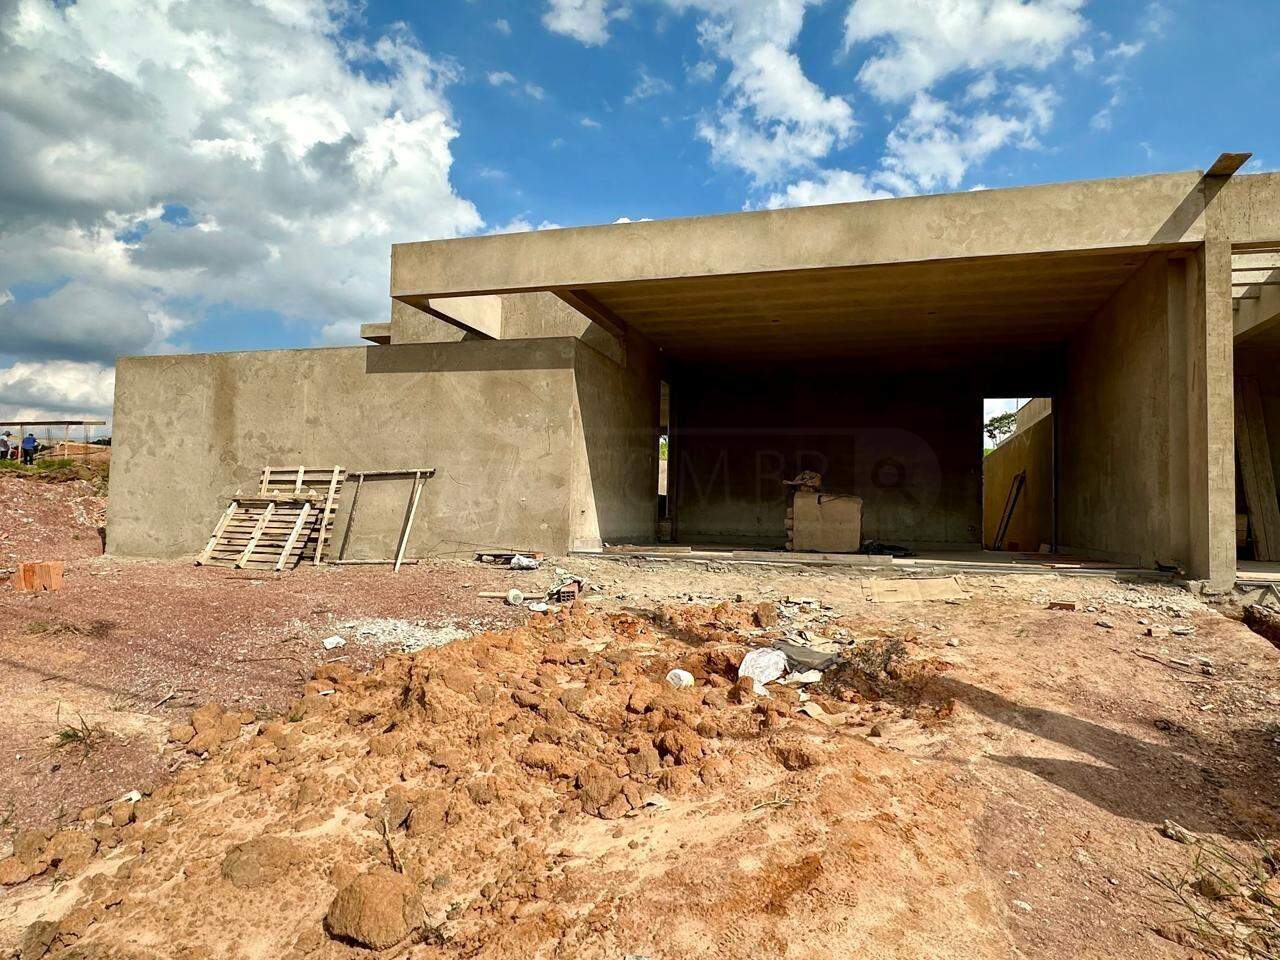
{"x": 915, "y": 313}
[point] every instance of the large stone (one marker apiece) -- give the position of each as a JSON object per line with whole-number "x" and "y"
{"x": 377, "y": 909}
{"x": 259, "y": 861}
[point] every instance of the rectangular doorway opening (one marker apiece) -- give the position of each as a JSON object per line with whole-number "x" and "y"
{"x": 1018, "y": 486}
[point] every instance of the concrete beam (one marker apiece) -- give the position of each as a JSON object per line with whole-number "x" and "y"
{"x": 1256, "y": 317}
{"x": 479, "y": 315}
{"x": 595, "y": 311}
{"x": 1249, "y": 208}
{"x": 376, "y": 332}
{"x": 1164, "y": 210}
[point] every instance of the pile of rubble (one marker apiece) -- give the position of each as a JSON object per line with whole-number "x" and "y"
{"x": 541, "y": 792}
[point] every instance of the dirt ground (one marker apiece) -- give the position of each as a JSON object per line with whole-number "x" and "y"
{"x": 977, "y": 776}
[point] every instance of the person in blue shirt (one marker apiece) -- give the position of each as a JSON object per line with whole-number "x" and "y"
{"x": 29, "y": 448}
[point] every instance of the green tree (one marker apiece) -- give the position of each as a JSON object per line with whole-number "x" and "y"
{"x": 1000, "y": 426}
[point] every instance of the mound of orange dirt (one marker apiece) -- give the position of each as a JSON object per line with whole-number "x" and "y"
{"x": 539, "y": 793}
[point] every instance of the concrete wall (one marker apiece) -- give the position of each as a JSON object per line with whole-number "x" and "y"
{"x": 1261, "y": 361}
{"x": 616, "y": 409}
{"x": 1115, "y": 446}
{"x": 1146, "y": 463}
{"x": 495, "y": 418}
{"x": 910, "y": 448}
{"x": 1030, "y": 449}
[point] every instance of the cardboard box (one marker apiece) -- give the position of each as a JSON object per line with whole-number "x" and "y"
{"x": 827, "y": 522}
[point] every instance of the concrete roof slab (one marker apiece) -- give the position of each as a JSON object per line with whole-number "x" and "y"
{"x": 1135, "y": 212}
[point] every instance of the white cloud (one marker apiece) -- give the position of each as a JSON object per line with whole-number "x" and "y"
{"x": 522, "y": 225}
{"x": 590, "y": 123}
{"x": 1083, "y": 58}
{"x": 498, "y": 78}
{"x": 535, "y": 91}
{"x": 829, "y": 186}
{"x": 287, "y": 157}
{"x": 648, "y": 86}
{"x": 584, "y": 20}
{"x": 1127, "y": 50}
{"x": 56, "y": 390}
{"x": 502, "y": 26}
{"x": 704, "y": 71}
{"x": 922, "y": 41}
{"x": 934, "y": 146}
{"x": 772, "y": 119}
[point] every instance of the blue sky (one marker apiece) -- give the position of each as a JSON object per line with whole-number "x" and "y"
{"x": 230, "y": 174}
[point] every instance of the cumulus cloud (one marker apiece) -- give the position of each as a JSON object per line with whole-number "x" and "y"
{"x": 162, "y": 158}
{"x": 584, "y": 20}
{"x": 934, "y": 145}
{"x": 919, "y": 42}
{"x": 56, "y": 390}
{"x": 772, "y": 119}
{"x": 828, "y": 186}
{"x": 522, "y": 225}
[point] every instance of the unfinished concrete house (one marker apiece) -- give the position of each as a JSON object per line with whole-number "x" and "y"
{"x": 539, "y": 374}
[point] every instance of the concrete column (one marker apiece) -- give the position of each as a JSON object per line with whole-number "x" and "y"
{"x": 1210, "y": 427}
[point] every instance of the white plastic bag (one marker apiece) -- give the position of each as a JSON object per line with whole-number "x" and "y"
{"x": 763, "y": 665}
{"x": 680, "y": 678}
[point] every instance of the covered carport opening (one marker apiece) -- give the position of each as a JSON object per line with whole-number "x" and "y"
{"x": 1255, "y": 278}
{"x": 874, "y": 376}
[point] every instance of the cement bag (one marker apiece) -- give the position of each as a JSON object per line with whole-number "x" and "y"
{"x": 763, "y": 665}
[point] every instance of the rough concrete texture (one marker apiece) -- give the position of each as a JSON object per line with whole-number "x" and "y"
{"x": 493, "y": 417}
{"x": 1142, "y": 474}
{"x": 1115, "y": 456}
{"x": 1084, "y": 215}
{"x": 1261, "y": 365}
{"x": 615, "y": 455}
{"x": 1031, "y": 523}
{"x": 909, "y": 448}
{"x": 538, "y": 443}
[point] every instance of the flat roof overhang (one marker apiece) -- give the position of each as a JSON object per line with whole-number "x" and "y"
{"x": 946, "y": 277}
{"x": 913, "y": 313}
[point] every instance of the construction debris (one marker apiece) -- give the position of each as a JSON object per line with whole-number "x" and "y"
{"x": 40, "y": 577}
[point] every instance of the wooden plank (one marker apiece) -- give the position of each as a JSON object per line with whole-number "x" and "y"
{"x": 1254, "y": 452}
{"x": 1227, "y": 164}
{"x": 217, "y": 532}
{"x": 326, "y": 518}
{"x": 262, "y": 522}
{"x": 351, "y": 517}
{"x": 418, "y": 482}
{"x": 293, "y": 537}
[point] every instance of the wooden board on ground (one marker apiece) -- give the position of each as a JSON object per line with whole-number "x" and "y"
{"x": 912, "y": 590}
{"x": 45, "y": 575}
{"x": 1255, "y": 470}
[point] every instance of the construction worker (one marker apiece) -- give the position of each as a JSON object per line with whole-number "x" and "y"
{"x": 5, "y": 445}
{"x": 29, "y": 446}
